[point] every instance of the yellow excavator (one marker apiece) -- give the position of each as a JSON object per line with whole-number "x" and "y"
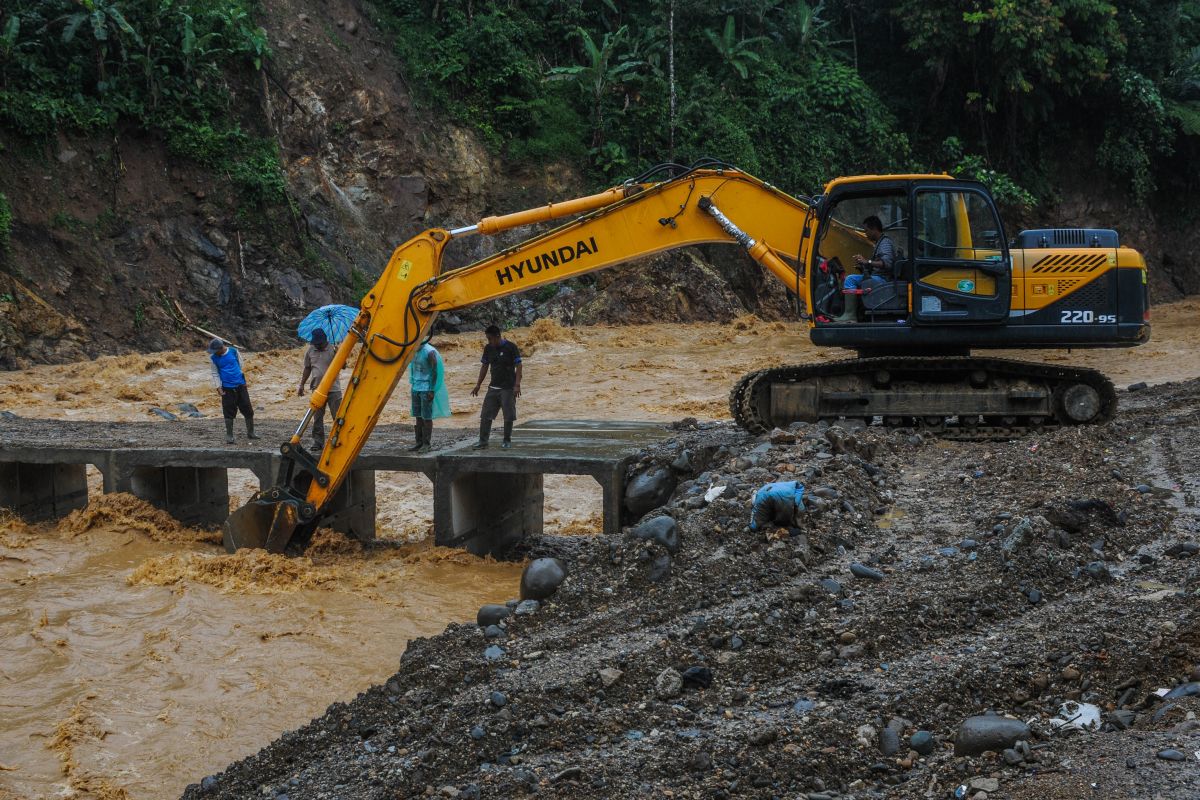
{"x": 951, "y": 283}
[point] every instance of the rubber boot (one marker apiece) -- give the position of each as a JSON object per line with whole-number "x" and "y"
{"x": 249, "y": 428}
{"x": 418, "y": 432}
{"x": 851, "y": 312}
{"x": 508, "y": 426}
{"x": 426, "y": 435}
{"x": 485, "y": 431}
{"x": 228, "y": 430}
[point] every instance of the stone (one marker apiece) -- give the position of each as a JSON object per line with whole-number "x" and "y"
{"x": 649, "y": 490}
{"x": 208, "y": 784}
{"x": 1012, "y": 757}
{"x": 491, "y": 614}
{"x": 1034, "y": 596}
{"x": 609, "y": 676}
{"x": 541, "y": 578}
{"x": 164, "y": 414}
{"x": 1143, "y": 488}
{"x": 1097, "y": 570}
{"x": 830, "y": 585}
{"x": 779, "y": 436}
{"x": 985, "y": 784}
{"x": 662, "y": 530}
{"x": 922, "y": 742}
{"x": 683, "y": 461}
{"x": 1171, "y": 755}
{"x": 1182, "y": 550}
{"x": 498, "y": 699}
{"x": 477, "y": 732}
{"x": 1122, "y": 720}
{"x": 697, "y": 677}
{"x": 660, "y": 570}
{"x": 668, "y": 684}
{"x": 493, "y": 632}
{"x": 1137, "y": 387}
{"x": 189, "y": 409}
{"x": 494, "y": 653}
{"x": 526, "y": 607}
{"x": 863, "y": 571}
{"x": 1183, "y": 690}
{"x": 889, "y": 742}
{"x": 985, "y": 732}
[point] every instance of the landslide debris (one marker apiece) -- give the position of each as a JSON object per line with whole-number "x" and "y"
{"x": 992, "y": 583}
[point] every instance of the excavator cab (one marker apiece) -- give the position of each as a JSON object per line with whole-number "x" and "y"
{"x": 951, "y": 262}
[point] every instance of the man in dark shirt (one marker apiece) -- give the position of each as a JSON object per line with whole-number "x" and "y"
{"x": 504, "y": 360}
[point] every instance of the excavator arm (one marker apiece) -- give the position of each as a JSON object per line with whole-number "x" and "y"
{"x": 621, "y": 224}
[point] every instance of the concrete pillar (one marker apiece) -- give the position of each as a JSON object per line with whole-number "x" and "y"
{"x": 612, "y": 482}
{"x": 352, "y": 509}
{"x": 197, "y": 496}
{"x": 39, "y": 492}
{"x": 486, "y": 512}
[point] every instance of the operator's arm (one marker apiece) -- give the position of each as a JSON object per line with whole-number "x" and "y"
{"x": 517, "y": 385}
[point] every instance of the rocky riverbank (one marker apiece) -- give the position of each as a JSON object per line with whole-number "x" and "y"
{"x": 932, "y": 582}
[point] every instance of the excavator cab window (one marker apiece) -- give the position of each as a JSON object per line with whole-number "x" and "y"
{"x": 842, "y": 236}
{"x": 962, "y": 271}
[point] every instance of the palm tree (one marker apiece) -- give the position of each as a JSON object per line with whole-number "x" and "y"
{"x": 737, "y": 53}
{"x": 598, "y": 75}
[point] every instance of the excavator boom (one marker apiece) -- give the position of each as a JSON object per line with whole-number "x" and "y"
{"x": 397, "y": 314}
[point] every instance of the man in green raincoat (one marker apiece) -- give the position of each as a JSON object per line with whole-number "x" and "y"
{"x": 430, "y": 398}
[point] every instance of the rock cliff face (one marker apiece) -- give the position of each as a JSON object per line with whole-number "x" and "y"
{"x": 110, "y": 233}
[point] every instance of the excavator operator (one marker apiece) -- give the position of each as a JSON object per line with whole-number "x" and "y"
{"x": 882, "y": 259}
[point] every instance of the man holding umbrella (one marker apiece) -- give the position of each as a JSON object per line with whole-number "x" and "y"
{"x": 317, "y": 359}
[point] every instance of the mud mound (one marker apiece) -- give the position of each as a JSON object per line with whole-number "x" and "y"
{"x": 927, "y": 582}
{"x": 123, "y": 512}
{"x": 244, "y": 572}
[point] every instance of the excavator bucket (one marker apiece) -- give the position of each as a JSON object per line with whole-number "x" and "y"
{"x": 265, "y": 522}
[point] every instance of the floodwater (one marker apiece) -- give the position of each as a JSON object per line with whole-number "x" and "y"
{"x": 138, "y": 657}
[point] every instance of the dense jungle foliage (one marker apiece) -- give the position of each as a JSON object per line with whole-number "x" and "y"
{"x": 165, "y": 66}
{"x": 800, "y": 92}
{"x": 793, "y": 91}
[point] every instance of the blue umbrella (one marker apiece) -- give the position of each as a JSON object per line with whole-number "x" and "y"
{"x": 335, "y": 319}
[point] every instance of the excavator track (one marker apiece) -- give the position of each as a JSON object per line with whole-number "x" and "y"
{"x": 960, "y": 397}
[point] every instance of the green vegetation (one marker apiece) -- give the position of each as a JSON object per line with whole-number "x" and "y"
{"x": 6, "y": 218}
{"x": 163, "y": 65}
{"x": 1000, "y": 90}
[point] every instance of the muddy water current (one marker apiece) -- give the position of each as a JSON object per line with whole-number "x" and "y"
{"x": 136, "y": 657}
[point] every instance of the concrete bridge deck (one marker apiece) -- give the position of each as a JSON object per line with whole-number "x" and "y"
{"x": 484, "y": 500}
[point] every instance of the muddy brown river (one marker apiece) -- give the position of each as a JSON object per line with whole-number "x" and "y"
{"x": 138, "y": 657}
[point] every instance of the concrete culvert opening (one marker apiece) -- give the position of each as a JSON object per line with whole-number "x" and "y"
{"x": 404, "y": 506}
{"x": 573, "y": 505}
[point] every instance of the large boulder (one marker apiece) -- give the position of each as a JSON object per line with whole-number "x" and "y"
{"x": 649, "y": 489}
{"x": 541, "y": 578}
{"x": 988, "y": 732}
{"x": 659, "y": 529}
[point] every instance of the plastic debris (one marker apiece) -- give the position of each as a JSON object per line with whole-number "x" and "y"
{"x": 1077, "y": 716}
{"x": 713, "y": 493}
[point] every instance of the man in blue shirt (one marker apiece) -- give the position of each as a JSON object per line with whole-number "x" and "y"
{"x": 231, "y": 383}
{"x": 504, "y": 360}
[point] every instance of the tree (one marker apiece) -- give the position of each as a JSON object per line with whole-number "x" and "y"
{"x": 598, "y": 75}
{"x": 737, "y": 53}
